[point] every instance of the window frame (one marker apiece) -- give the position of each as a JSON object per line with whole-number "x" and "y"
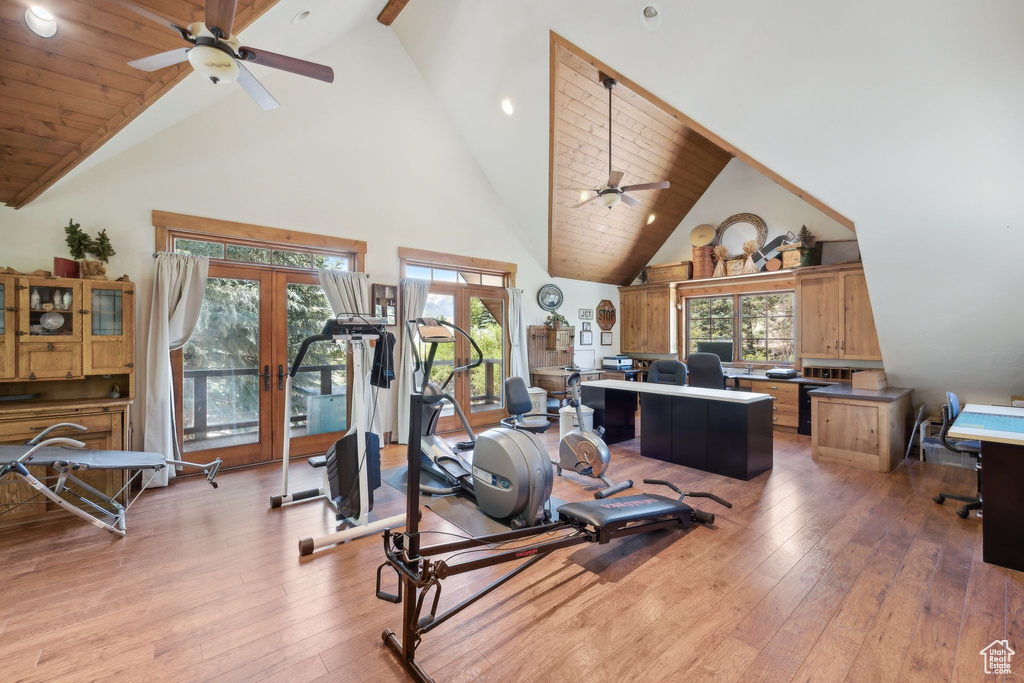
{"x": 738, "y": 328}
{"x": 737, "y": 323}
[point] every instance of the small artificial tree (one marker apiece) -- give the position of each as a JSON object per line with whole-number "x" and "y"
{"x": 77, "y": 240}
{"x": 806, "y": 237}
{"x": 101, "y": 247}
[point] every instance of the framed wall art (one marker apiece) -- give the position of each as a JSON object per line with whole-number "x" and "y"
{"x": 606, "y": 339}
{"x": 385, "y": 302}
{"x": 586, "y": 338}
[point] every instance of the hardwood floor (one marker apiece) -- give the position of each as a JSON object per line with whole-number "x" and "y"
{"x": 819, "y": 572}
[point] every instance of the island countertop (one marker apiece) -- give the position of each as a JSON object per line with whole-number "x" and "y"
{"x": 887, "y": 395}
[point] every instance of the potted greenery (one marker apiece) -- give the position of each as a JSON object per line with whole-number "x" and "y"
{"x": 80, "y": 244}
{"x": 555, "y": 320}
{"x": 807, "y": 252}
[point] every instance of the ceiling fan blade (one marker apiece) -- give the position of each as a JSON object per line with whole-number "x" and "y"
{"x": 631, "y": 201}
{"x": 646, "y": 186}
{"x": 296, "y": 66}
{"x": 143, "y": 12}
{"x": 162, "y": 60}
{"x": 587, "y": 201}
{"x": 220, "y": 14}
{"x": 255, "y": 89}
{"x": 615, "y": 178}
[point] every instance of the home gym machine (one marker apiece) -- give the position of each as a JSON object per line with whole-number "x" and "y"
{"x": 504, "y": 470}
{"x": 592, "y": 521}
{"x": 351, "y": 468}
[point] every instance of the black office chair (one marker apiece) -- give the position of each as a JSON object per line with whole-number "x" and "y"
{"x": 517, "y": 397}
{"x": 706, "y": 371}
{"x": 667, "y": 371}
{"x": 971, "y": 448}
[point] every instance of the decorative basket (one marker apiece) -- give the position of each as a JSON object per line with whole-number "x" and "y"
{"x": 703, "y": 265}
{"x": 669, "y": 272}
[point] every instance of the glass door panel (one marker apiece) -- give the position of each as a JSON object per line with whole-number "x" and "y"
{"x": 441, "y": 304}
{"x": 487, "y": 381}
{"x": 225, "y": 371}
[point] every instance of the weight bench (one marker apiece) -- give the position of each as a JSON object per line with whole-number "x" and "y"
{"x": 66, "y": 456}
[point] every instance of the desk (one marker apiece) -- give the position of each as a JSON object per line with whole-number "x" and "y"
{"x": 1001, "y": 432}
{"x": 554, "y": 380}
{"x": 724, "y": 432}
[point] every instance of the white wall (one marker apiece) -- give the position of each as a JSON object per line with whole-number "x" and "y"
{"x": 903, "y": 116}
{"x": 372, "y": 157}
{"x": 741, "y": 189}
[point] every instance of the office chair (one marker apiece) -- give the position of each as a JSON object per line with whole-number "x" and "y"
{"x": 667, "y": 371}
{"x": 971, "y": 448}
{"x": 519, "y": 406}
{"x": 706, "y": 371}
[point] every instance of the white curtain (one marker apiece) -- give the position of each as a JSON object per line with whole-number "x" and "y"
{"x": 517, "y": 334}
{"x": 179, "y": 283}
{"x": 414, "y": 299}
{"x": 349, "y": 292}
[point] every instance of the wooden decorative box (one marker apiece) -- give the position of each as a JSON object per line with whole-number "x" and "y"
{"x": 734, "y": 266}
{"x": 870, "y": 379}
{"x": 669, "y": 272}
{"x": 703, "y": 266}
{"x": 560, "y": 339}
{"x": 790, "y": 254}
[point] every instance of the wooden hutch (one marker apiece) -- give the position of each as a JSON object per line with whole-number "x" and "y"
{"x": 64, "y": 345}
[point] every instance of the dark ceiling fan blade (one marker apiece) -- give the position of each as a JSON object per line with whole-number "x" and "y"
{"x": 220, "y": 14}
{"x": 615, "y": 178}
{"x": 143, "y": 12}
{"x": 587, "y": 201}
{"x": 631, "y": 201}
{"x": 662, "y": 185}
{"x": 162, "y": 60}
{"x": 296, "y": 66}
{"x": 255, "y": 89}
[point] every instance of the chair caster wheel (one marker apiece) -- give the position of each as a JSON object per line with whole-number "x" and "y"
{"x": 963, "y": 514}
{"x": 939, "y": 499}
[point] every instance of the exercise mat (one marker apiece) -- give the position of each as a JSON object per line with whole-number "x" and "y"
{"x": 459, "y": 509}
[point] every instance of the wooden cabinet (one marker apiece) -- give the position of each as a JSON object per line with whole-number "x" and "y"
{"x": 561, "y": 339}
{"x": 60, "y": 329}
{"x": 648, "y": 314}
{"x": 866, "y": 434}
{"x": 834, "y": 318}
{"x": 106, "y": 422}
{"x": 785, "y": 400}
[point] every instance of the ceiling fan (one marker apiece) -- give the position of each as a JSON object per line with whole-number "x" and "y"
{"x": 611, "y": 193}
{"x": 216, "y": 53}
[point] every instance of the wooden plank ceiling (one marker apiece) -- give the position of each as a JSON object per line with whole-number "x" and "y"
{"x": 650, "y": 142}
{"x": 61, "y": 98}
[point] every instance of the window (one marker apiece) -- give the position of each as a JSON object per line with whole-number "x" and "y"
{"x": 709, "y": 319}
{"x": 261, "y": 255}
{"x": 766, "y": 328}
{"x": 761, "y": 326}
{"x": 462, "y": 276}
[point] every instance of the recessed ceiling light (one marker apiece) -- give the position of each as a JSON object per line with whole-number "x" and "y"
{"x": 506, "y": 106}
{"x": 650, "y": 16}
{"x": 650, "y": 219}
{"x": 40, "y": 21}
{"x": 301, "y": 16}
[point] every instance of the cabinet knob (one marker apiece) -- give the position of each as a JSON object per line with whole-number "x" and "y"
{"x": 775, "y": 419}
{"x": 84, "y": 311}
{"x": 32, "y": 376}
{"x": 774, "y": 387}
{"x": 49, "y": 347}
{"x": 11, "y": 309}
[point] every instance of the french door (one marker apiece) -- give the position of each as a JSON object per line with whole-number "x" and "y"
{"x": 230, "y": 375}
{"x": 482, "y": 312}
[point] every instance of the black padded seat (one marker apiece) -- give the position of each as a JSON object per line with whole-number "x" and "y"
{"x": 317, "y": 461}
{"x": 615, "y": 512}
{"x": 968, "y": 446}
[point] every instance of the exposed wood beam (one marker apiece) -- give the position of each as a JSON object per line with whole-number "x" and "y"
{"x": 391, "y": 11}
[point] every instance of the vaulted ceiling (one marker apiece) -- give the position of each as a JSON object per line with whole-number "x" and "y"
{"x": 61, "y": 98}
{"x": 650, "y": 142}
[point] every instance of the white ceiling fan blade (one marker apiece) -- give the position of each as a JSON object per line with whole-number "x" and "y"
{"x": 631, "y": 201}
{"x": 162, "y": 60}
{"x": 662, "y": 185}
{"x": 587, "y": 201}
{"x": 255, "y": 89}
{"x": 615, "y": 178}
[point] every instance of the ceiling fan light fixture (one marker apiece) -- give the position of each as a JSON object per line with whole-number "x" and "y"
{"x": 213, "y": 63}
{"x": 611, "y": 199}
{"x": 40, "y": 21}
{"x": 650, "y": 17}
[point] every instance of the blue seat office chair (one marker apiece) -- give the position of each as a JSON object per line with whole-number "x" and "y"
{"x": 667, "y": 371}
{"x": 706, "y": 371}
{"x": 519, "y": 406}
{"x": 970, "y": 448}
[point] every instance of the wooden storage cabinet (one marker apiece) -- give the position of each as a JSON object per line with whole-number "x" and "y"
{"x": 860, "y": 433}
{"x": 648, "y": 315}
{"x": 108, "y": 328}
{"x": 49, "y": 361}
{"x": 785, "y": 400}
{"x": 8, "y": 326}
{"x": 834, "y": 318}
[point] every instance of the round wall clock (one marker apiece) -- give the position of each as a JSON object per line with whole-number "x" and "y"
{"x": 702, "y": 235}
{"x": 550, "y": 297}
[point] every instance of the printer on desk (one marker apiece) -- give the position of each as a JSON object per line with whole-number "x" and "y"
{"x": 619, "y": 362}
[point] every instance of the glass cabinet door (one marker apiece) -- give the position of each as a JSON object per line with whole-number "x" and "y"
{"x": 7, "y": 323}
{"x": 107, "y": 322}
{"x": 49, "y": 310}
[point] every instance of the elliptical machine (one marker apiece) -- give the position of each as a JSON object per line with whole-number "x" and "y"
{"x": 507, "y": 472}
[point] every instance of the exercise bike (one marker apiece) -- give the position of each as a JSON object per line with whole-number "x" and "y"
{"x": 506, "y": 471}
{"x": 583, "y": 452}
{"x": 351, "y": 467}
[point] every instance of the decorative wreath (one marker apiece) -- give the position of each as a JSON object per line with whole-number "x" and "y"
{"x": 753, "y": 219}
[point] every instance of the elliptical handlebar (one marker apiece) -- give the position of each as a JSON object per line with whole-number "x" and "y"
{"x": 343, "y": 324}
{"x": 415, "y": 327}
{"x": 691, "y": 494}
